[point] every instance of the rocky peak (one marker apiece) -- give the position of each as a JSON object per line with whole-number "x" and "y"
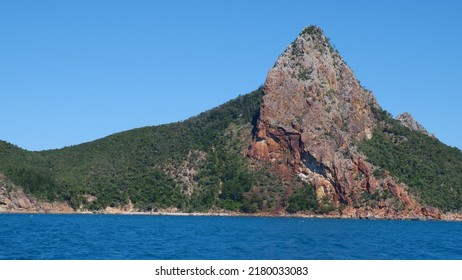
{"x": 408, "y": 121}
{"x": 312, "y": 95}
{"x": 313, "y": 111}
{"x": 310, "y": 79}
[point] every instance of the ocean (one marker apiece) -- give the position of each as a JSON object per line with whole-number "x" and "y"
{"x": 145, "y": 237}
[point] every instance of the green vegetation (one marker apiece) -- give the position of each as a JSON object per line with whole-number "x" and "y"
{"x": 129, "y": 166}
{"x": 304, "y": 74}
{"x": 312, "y": 30}
{"x": 431, "y": 169}
{"x": 144, "y": 166}
{"x": 303, "y": 199}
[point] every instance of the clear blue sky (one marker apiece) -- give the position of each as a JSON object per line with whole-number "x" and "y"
{"x": 77, "y": 70}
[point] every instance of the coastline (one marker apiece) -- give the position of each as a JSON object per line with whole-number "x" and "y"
{"x": 451, "y": 217}
{"x": 17, "y": 202}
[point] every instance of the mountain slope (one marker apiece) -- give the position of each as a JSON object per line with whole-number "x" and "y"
{"x": 431, "y": 169}
{"x": 311, "y": 140}
{"x": 197, "y": 164}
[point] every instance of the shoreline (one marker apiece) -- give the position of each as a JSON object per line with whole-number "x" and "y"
{"x": 444, "y": 218}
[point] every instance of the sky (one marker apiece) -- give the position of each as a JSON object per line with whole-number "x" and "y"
{"x": 77, "y": 70}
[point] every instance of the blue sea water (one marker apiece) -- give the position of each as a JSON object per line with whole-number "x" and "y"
{"x": 70, "y": 237}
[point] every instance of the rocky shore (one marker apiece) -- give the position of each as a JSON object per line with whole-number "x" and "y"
{"x": 14, "y": 200}
{"x": 22, "y": 204}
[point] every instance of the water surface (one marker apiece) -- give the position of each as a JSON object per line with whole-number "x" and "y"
{"x": 25, "y": 236}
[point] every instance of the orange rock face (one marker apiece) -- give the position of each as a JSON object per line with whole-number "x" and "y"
{"x": 431, "y": 212}
{"x": 314, "y": 111}
{"x": 260, "y": 150}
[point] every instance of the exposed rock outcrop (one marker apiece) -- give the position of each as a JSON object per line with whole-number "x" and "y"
{"x": 431, "y": 212}
{"x": 408, "y": 121}
{"x": 13, "y": 199}
{"x": 313, "y": 112}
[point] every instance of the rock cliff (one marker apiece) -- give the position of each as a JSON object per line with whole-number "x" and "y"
{"x": 314, "y": 111}
{"x": 407, "y": 120}
{"x": 13, "y": 199}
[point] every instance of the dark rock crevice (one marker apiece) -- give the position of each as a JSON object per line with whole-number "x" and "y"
{"x": 312, "y": 164}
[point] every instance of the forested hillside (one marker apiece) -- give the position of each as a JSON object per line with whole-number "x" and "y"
{"x": 197, "y": 164}
{"x": 430, "y": 168}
